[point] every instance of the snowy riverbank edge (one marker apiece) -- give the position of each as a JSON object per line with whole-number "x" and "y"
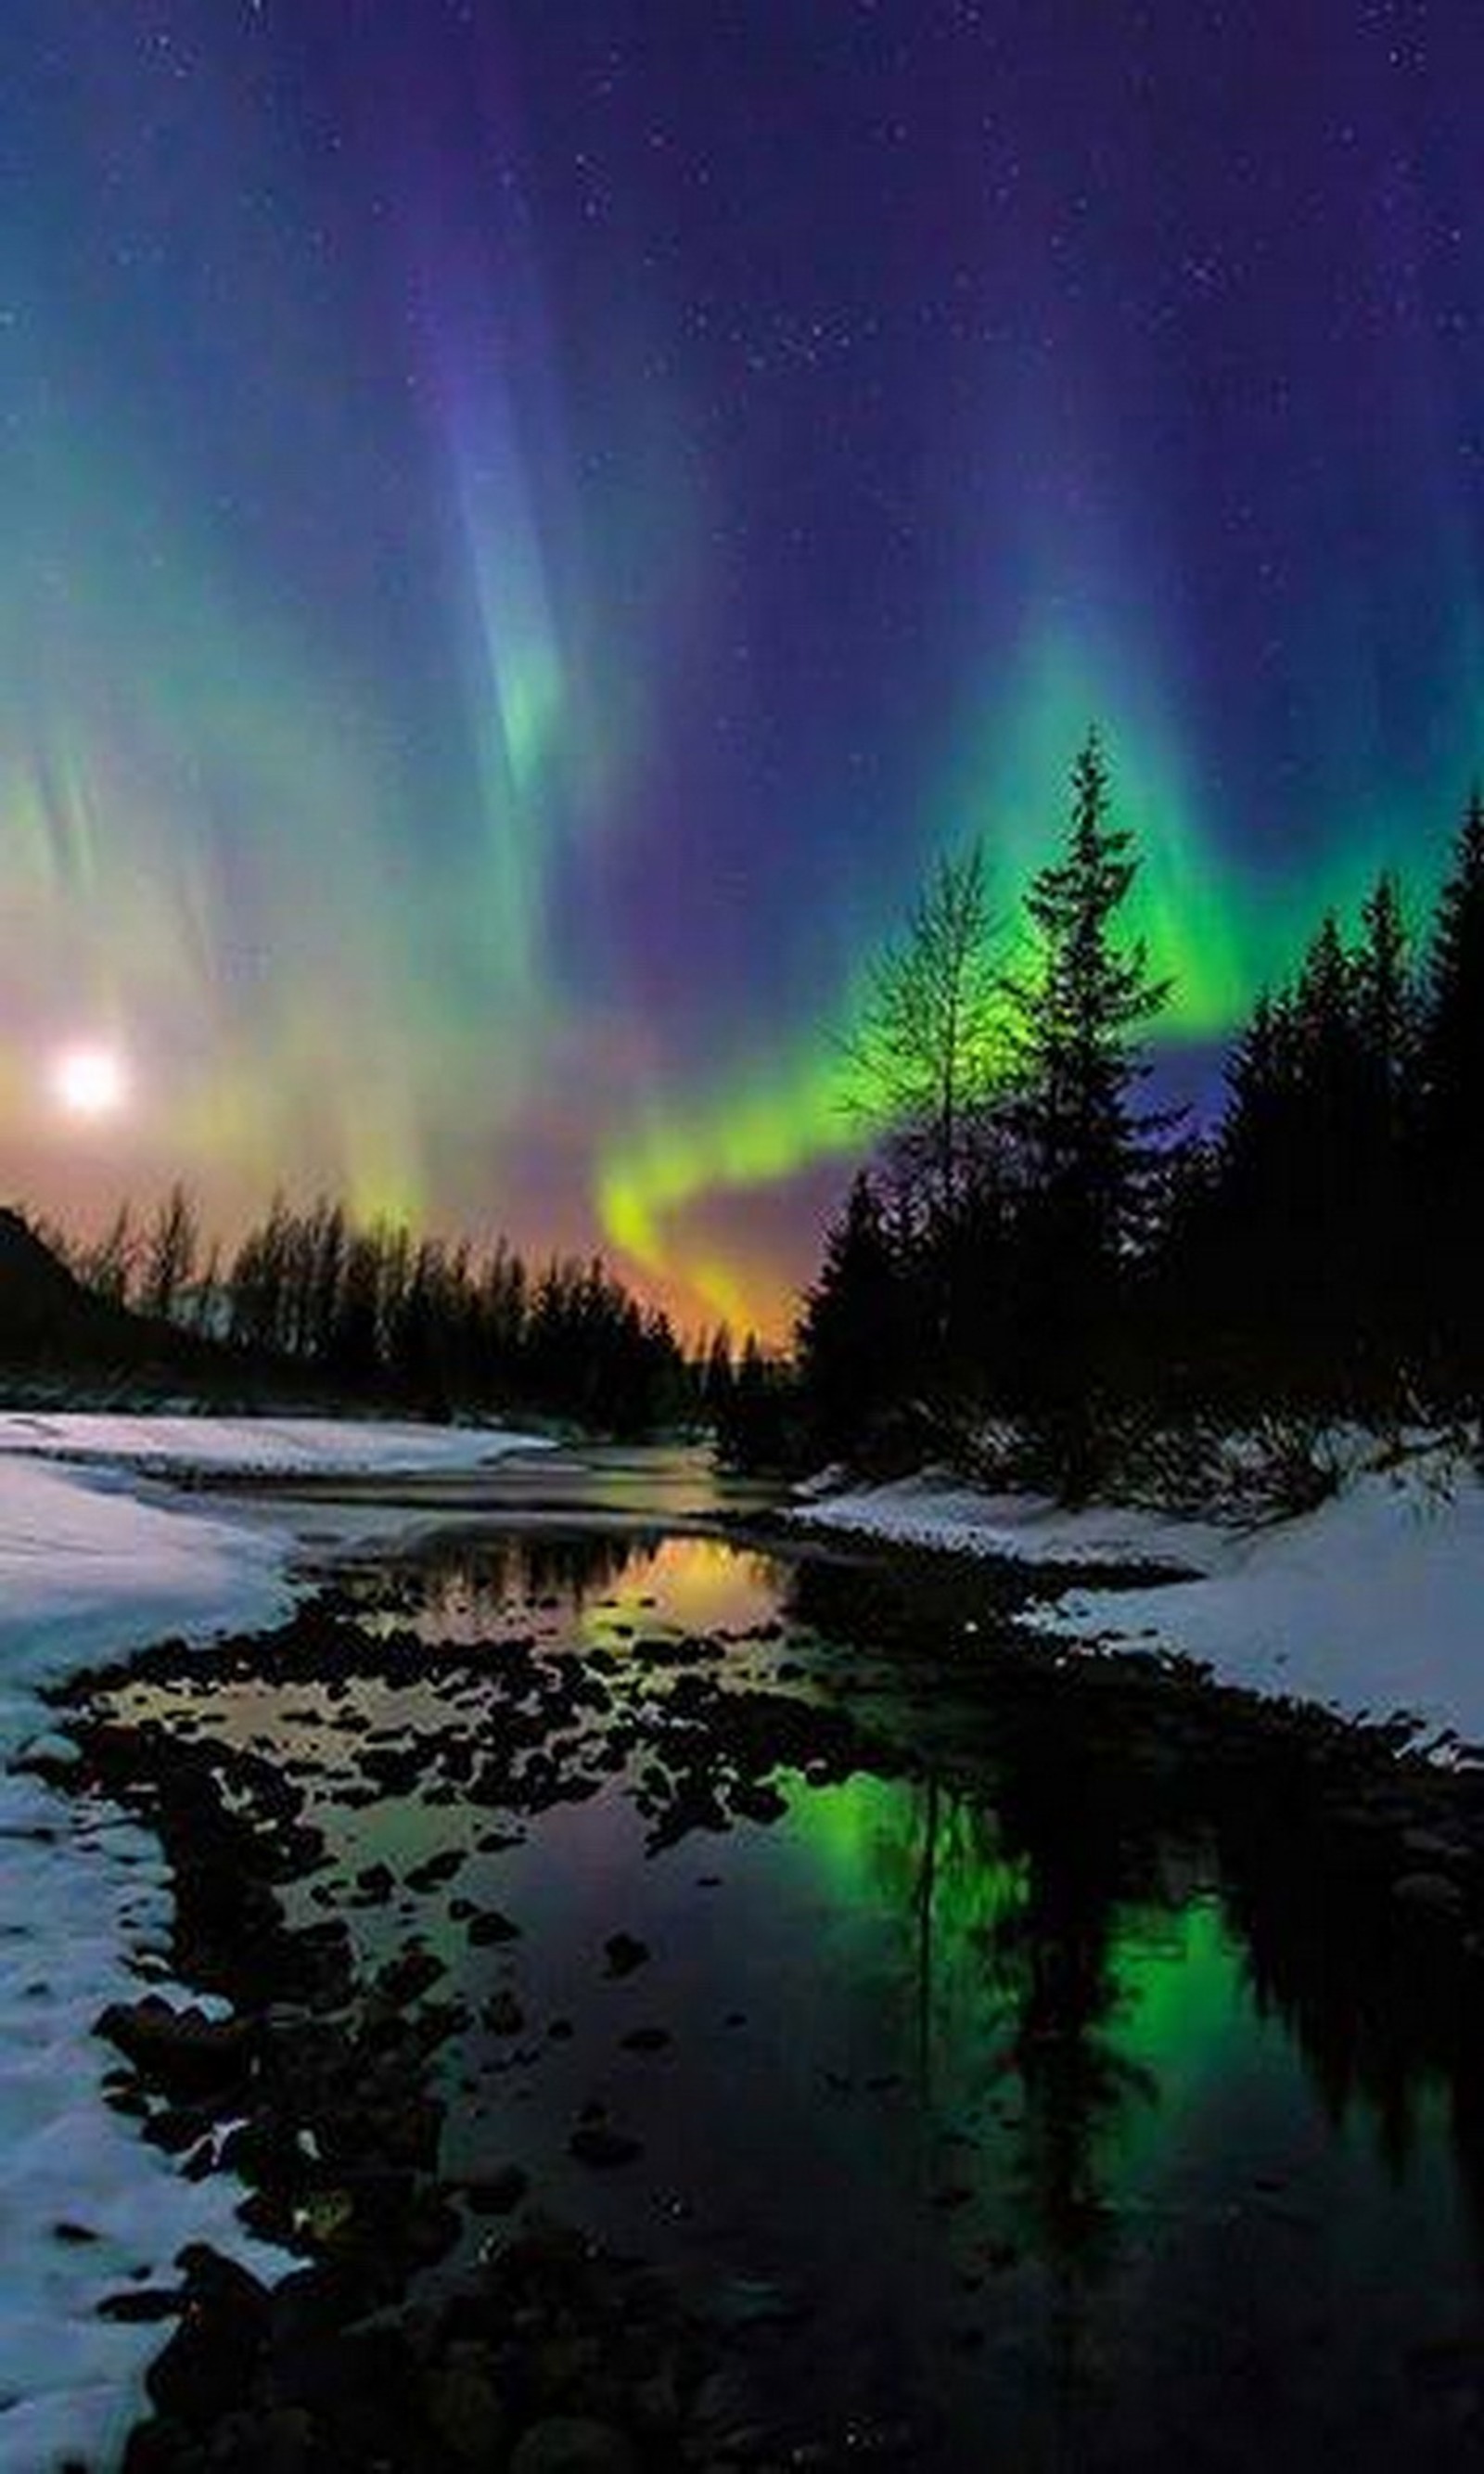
{"x": 100, "y": 1554}
{"x": 1372, "y": 1605}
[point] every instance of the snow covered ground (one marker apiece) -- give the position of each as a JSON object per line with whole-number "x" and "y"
{"x": 99, "y": 1554}
{"x": 1372, "y": 1604}
{"x": 935, "y": 1509}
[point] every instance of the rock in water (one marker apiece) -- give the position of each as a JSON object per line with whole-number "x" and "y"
{"x": 625, "y": 1954}
{"x": 464, "y": 2411}
{"x": 1429, "y": 1893}
{"x": 487, "y": 1927}
{"x": 595, "y": 2144}
{"x": 181, "y": 2051}
{"x": 645, "y": 2040}
{"x": 570, "y": 2444}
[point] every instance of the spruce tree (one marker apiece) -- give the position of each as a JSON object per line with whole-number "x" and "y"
{"x": 1259, "y": 1091}
{"x": 850, "y": 1341}
{"x": 717, "y": 1375}
{"x": 1387, "y": 1298}
{"x": 1452, "y": 1042}
{"x": 1092, "y": 1153}
{"x": 1451, "y": 1077}
{"x": 1082, "y": 1022}
{"x": 1386, "y": 1003}
{"x": 1308, "y": 1221}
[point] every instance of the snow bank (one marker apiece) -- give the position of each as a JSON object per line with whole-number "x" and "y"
{"x": 1372, "y": 1604}
{"x": 256, "y": 1446}
{"x": 935, "y": 1509}
{"x": 98, "y": 1556}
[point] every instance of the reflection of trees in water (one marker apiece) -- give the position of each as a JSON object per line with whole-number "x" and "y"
{"x": 1013, "y": 1929}
{"x": 1390, "y": 2027}
{"x": 939, "y": 1860}
{"x": 1075, "y": 2080}
{"x": 1088, "y": 1794}
{"x": 1082, "y": 2094}
{"x": 487, "y": 1579}
{"x": 1013, "y": 1918}
{"x": 1014, "y": 1904}
{"x": 915, "y": 1604}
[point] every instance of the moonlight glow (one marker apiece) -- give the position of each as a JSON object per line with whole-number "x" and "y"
{"x": 90, "y": 1081}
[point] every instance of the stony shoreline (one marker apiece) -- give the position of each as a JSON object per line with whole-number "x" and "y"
{"x": 442, "y": 2323}
{"x": 543, "y": 2352}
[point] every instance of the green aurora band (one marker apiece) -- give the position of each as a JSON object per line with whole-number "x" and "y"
{"x": 1216, "y": 932}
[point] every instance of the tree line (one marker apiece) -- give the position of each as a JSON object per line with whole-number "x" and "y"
{"x": 1036, "y": 1252}
{"x": 376, "y": 1312}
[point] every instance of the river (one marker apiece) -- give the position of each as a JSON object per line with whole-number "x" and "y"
{"x": 1010, "y": 2090}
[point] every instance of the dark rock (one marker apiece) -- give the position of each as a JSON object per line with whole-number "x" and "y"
{"x": 487, "y": 1926}
{"x": 410, "y": 1975}
{"x": 593, "y": 2143}
{"x": 181, "y": 2051}
{"x": 645, "y": 2040}
{"x": 625, "y": 1954}
{"x": 1432, "y": 1850}
{"x": 1429, "y": 1894}
{"x": 144, "y": 2304}
{"x": 206, "y": 2369}
{"x": 264, "y": 2151}
{"x": 498, "y": 2195}
{"x": 570, "y": 2444}
{"x": 283, "y": 2440}
{"x": 464, "y": 2411}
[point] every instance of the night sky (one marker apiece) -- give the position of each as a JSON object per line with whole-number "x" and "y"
{"x": 527, "y": 524}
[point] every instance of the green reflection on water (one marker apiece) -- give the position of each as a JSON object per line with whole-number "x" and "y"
{"x": 1078, "y": 2036}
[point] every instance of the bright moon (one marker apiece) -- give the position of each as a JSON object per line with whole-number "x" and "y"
{"x": 90, "y": 1081}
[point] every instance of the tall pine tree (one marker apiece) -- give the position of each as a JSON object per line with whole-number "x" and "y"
{"x": 1451, "y": 1077}
{"x": 1453, "y": 1041}
{"x": 1090, "y": 1152}
{"x": 852, "y": 1337}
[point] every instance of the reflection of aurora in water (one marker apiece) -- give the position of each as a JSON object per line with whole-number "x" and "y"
{"x": 1074, "y": 1973}
{"x": 1171, "y": 1985}
{"x": 1045, "y": 2106}
{"x": 1092, "y": 2039}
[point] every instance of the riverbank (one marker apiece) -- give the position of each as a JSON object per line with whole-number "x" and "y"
{"x": 99, "y": 1553}
{"x": 1367, "y": 1604}
{"x": 793, "y": 1929}
{"x": 312, "y": 1835}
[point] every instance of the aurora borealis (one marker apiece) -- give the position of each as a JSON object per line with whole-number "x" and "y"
{"x": 527, "y": 526}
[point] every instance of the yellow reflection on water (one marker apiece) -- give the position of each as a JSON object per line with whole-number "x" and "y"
{"x": 701, "y": 1584}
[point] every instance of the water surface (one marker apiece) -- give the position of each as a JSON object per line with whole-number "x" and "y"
{"x": 1011, "y": 2109}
